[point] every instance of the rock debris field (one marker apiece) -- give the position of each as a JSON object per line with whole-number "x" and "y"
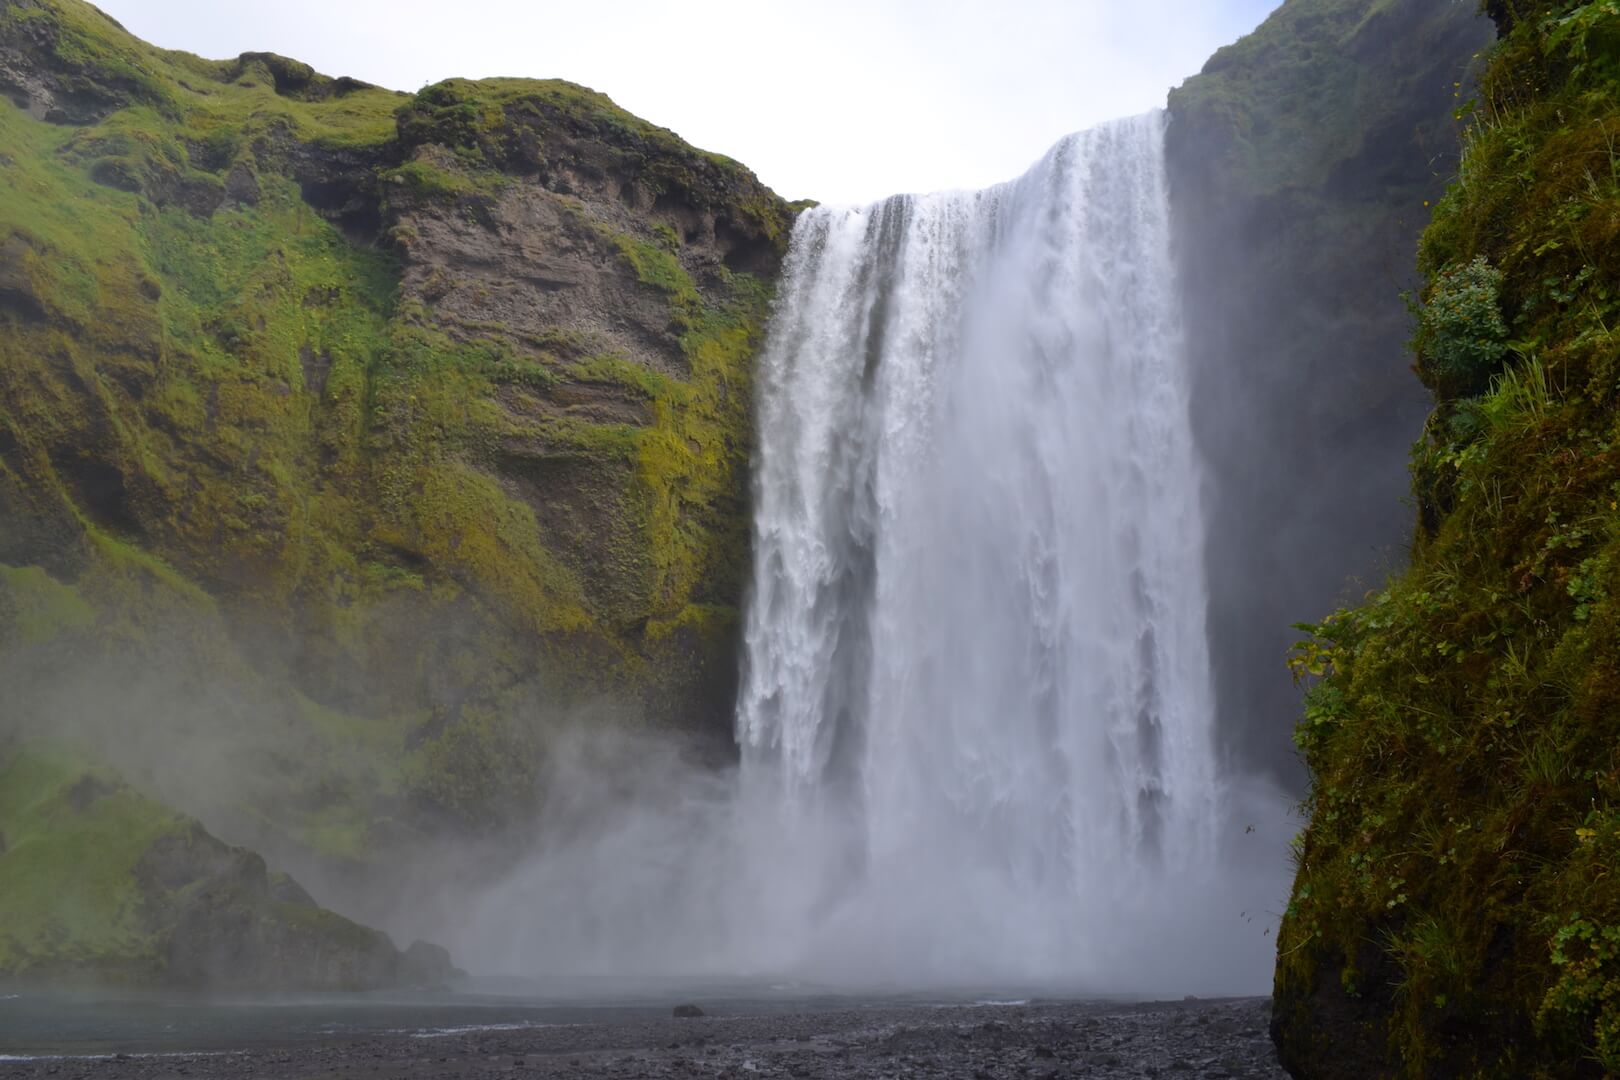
{"x": 1185, "y": 1039}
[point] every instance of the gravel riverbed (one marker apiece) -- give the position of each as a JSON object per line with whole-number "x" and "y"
{"x": 1196, "y": 1040}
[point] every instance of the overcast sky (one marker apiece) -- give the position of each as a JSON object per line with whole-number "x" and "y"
{"x": 837, "y": 100}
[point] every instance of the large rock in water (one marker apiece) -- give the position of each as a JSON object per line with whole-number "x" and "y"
{"x": 356, "y": 438}
{"x": 100, "y": 883}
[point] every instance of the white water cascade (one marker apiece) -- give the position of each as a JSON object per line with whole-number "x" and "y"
{"x": 976, "y": 689}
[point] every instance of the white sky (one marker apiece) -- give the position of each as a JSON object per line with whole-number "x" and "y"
{"x": 837, "y": 100}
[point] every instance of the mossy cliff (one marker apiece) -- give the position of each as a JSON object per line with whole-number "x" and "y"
{"x": 351, "y": 439}
{"x": 1301, "y": 161}
{"x": 1455, "y": 911}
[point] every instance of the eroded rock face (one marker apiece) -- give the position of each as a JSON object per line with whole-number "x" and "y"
{"x": 223, "y": 924}
{"x": 622, "y": 277}
{"x": 538, "y": 264}
{"x": 589, "y": 257}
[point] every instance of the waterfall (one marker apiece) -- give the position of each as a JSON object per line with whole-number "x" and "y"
{"x": 975, "y": 719}
{"x": 976, "y": 697}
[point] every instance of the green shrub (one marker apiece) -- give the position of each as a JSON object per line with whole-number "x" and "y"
{"x": 1587, "y": 958}
{"x": 1462, "y": 337}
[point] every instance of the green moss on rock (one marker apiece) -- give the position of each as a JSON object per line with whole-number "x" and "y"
{"x": 68, "y": 888}
{"x": 1454, "y": 912}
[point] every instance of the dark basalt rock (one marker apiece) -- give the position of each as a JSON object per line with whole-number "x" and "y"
{"x": 1504, "y": 13}
{"x": 18, "y": 292}
{"x": 229, "y": 924}
{"x": 427, "y": 967}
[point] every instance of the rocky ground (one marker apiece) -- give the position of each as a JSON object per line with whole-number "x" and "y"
{"x": 1188, "y": 1039}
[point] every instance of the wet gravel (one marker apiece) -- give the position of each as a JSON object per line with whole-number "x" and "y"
{"x": 1184, "y": 1040}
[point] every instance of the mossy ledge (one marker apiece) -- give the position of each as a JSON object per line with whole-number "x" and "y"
{"x": 1455, "y": 911}
{"x": 392, "y": 428}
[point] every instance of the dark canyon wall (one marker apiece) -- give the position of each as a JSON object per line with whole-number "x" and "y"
{"x": 1302, "y": 162}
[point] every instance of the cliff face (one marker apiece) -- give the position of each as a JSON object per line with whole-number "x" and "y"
{"x": 1301, "y": 162}
{"x": 1455, "y": 912}
{"x": 351, "y": 440}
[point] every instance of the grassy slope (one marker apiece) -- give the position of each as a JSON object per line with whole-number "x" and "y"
{"x": 1455, "y": 896}
{"x": 243, "y": 460}
{"x": 99, "y": 882}
{"x": 68, "y": 894}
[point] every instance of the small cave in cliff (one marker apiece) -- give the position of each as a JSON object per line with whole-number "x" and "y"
{"x": 354, "y": 212}
{"x": 677, "y": 211}
{"x": 744, "y": 252}
{"x": 99, "y": 488}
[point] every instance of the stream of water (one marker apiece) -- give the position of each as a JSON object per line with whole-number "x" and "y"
{"x": 976, "y": 666}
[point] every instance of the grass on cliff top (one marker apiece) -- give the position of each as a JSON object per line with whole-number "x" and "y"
{"x": 219, "y": 102}
{"x": 73, "y": 833}
{"x": 1463, "y": 729}
{"x": 464, "y": 112}
{"x": 226, "y": 102}
{"x": 492, "y": 123}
